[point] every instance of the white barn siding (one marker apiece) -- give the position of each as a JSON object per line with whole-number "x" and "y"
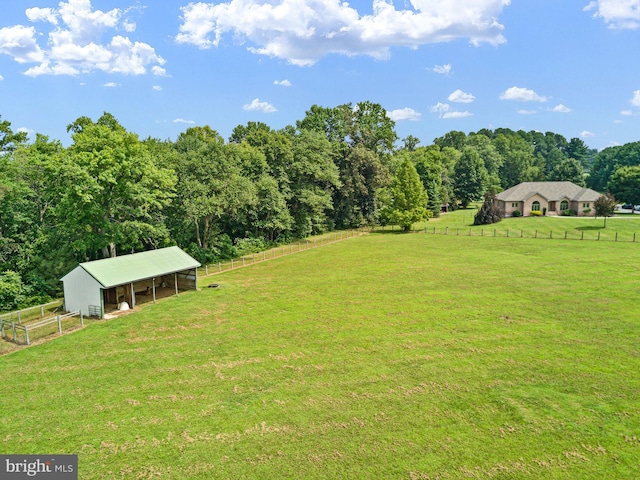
{"x": 80, "y": 291}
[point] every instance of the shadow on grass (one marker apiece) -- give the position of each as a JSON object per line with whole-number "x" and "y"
{"x": 587, "y": 228}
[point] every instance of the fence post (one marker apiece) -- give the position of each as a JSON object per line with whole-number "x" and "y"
{"x": 59, "y": 325}
{"x": 243, "y": 261}
{"x": 565, "y": 234}
{"x": 26, "y": 334}
{"x": 283, "y": 251}
{"x": 536, "y": 236}
{"x": 507, "y": 233}
{"x": 634, "y": 237}
{"x": 582, "y": 236}
{"x": 469, "y": 232}
{"x": 2, "y": 326}
{"x": 616, "y": 236}
{"x": 482, "y": 232}
{"x": 307, "y": 245}
{"x": 314, "y": 242}
{"x": 494, "y": 232}
{"x": 232, "y": 264}
{"x": 550, "y": 233}
{"x": 254, "y": 258}
{"x": 13, "y": 324}
{"x": 219, "y": 267}
{"x": 19, "y": 317}
{"x": 521, "y": 233}
{"x": 457, "y": 231}
{"x": 446, "y": 230}
{"x": 41, "y": 311}
{"x": 598, "y": 236}
{"x": 81, "y": 319}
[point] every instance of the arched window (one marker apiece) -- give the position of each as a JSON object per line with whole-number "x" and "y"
{"x": 535, "y": 206}
{"x": 564, "y": 205}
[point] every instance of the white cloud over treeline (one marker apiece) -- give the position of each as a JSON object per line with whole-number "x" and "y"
{"x": 68, "y": 40}
{"x": 303, "y": 31}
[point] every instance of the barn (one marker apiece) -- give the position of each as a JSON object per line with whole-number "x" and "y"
{"x": 100, "y": 286}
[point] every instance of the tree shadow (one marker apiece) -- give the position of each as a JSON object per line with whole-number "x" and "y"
{"x": 599, "y": 227}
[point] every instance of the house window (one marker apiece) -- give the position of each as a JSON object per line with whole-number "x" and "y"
{"x": 585, "y": 205}
{"x": 564, "y": 205}
{"x": 535, "y": 206}
{"x": 514, "y": 205}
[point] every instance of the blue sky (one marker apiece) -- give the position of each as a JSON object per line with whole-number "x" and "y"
{"x": 567, "y": 66}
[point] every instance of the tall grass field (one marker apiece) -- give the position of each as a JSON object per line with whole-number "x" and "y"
{"x": 408, "y": 356}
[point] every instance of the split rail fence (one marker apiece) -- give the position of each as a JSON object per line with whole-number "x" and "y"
{"x": 278, "y": 252}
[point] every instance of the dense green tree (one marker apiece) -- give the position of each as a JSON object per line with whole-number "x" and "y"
{"x": 490, "y": 157}
{"x": 625, "y": 184}
{"x": 428, "y": 162}
{"x": 453, "y": 139}
{"x": 569, "y": 170}
{"x": 407, "y": 199}
{"x": 9, "y": 141}
{"x": 609, "y": 160}
{"x": 469, "y": 177}
{"x": 115, "y": 193}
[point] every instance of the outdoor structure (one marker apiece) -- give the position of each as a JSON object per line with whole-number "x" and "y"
{"x": 548, "y": 198}
{"x": 95, "y": 287}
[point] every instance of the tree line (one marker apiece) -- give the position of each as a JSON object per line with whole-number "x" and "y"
{"x": 110, "y": 192}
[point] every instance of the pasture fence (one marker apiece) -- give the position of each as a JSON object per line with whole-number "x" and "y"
{"x": 278, "y": 252}
{"x": 25, "y": 333}
{"x": 30, "y": 313}
{"x": 598, "y": 236}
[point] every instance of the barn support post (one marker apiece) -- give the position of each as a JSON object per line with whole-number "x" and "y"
{"x": 175, "y": 278}
{"x": 133, "y": 297}
{"x": 153, "y": 282}
{"x": 81, "y": 319}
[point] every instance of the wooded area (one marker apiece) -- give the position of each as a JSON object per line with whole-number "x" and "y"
{"x": 111, "y": 192}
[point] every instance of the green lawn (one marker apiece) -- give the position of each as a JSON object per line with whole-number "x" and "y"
{"x": 383, "y": 356}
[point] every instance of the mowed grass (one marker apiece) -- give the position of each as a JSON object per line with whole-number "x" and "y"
{"x": 383, "y": 356}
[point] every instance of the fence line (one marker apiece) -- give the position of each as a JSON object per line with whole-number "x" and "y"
{"x": 24, "y": 312}
{"x": 278, "y": 252}
{"x": 537, "y": 234}
{"x": 14, "y": 327}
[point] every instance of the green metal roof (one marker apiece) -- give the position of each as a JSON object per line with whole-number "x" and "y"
{"x": 111, "y": 272}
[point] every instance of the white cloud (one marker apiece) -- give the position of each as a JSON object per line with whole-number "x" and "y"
{"x": 111, "y": 84}
{"x": 443, "y": 69}
{"x": 560, "y": 108}
{"x": 74, "y": 42}
{"x": 635, "y": 100}
{"x": 157, "y": 88}
{"x": 587, "y": 134}
{"x": 444, "y": 111}
{"x": 456, "y": 114}
{"x": 520, "y": 94}
{"x": 42, "y": 15}
{"x": 461, "y": 97}
{"x": 404, "y": 114}
{"x": 303, "y": 31}
{"x": 20, "y": 43}
{"x": 527, "y": 112}
{"x": 282, "y": 83}
{"x": 623, "y": 14}
{"x": 182, "y": 120}
{"x": 440, "y": 108}
{"x": 159, "y": 71}
{"x": 626, "y": 113}
{"x": 1, "y": 78}
{"x": 257, "y": 105}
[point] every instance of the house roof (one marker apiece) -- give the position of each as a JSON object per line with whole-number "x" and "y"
{"x": 551, "y": 191}
{"x": 111, "y": 272}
